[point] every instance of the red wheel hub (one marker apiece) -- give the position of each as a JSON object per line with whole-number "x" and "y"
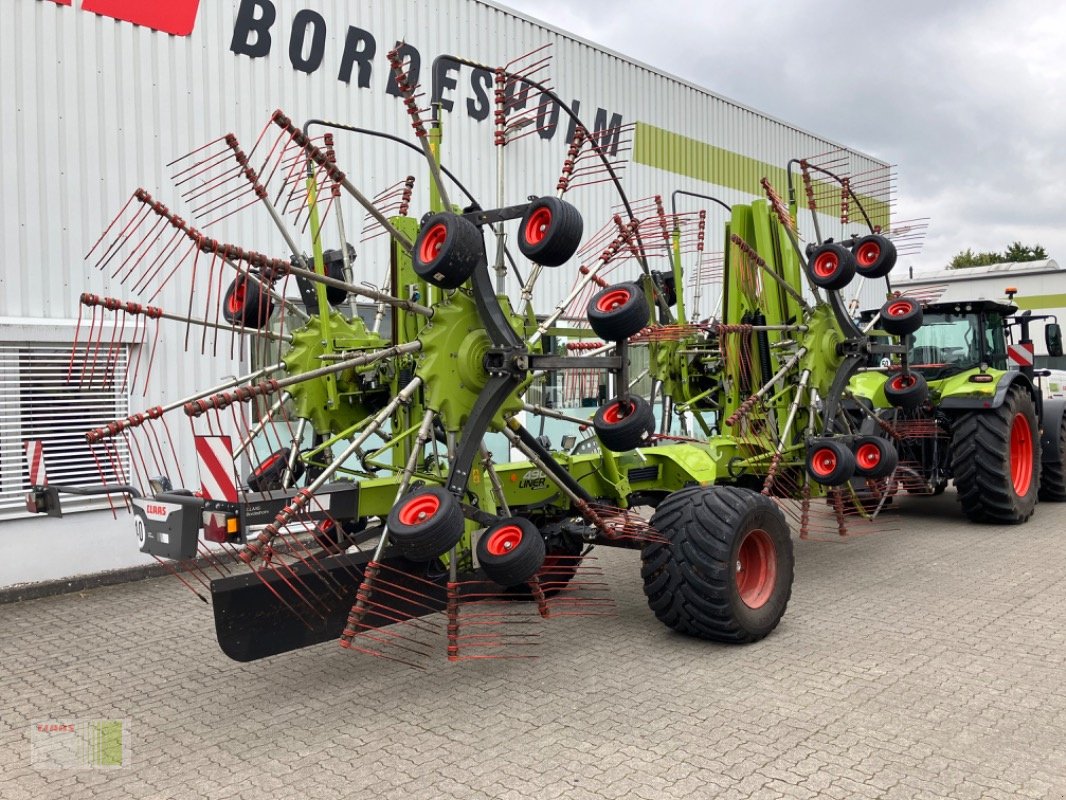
{"x": 756, "y": 570}
{"x": 612, "y": 300}
{"x": 901, "y": 382}
{"x": 826, "y": 264}
{"x": 419, "y": 509}
{"x": 540, "y": 221}
{"x": 236, "y": 298}
{"x": 504, "y": 540}
{"x": 1021, "y": 454}
{"x": 432, "y": 242}
{"x": 868, "y": 456}
{"x": 868, "y": 254}
{"x": 612, "y": 415}
{"x": 900, "y": 308}
{"x": 823, "y": 461}
{"x": 271, "y": 461}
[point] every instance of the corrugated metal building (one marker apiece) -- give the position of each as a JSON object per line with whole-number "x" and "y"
{"x": 100, "y": 95}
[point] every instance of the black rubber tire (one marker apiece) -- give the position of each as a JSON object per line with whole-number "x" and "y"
{"x": 906, "y": 390}
{"x": 666, "y": 281}
{"x": 982, "y": 461}
{"x": 831, "y": 266}
{"x": 550, "y": 231}
{"x": 334, "y": 261}
{"x": 1053, "y": 476}
{"x": 621, "y": 434}
{"x": 511, "y": 551}
{"x": 447, "y": 250}
{"x": 267, "y": 476}
{"x": 423, "y": 538}
{"x": 875, "y": 256}
{"x": 830, "y": 461}
{"x": 619, "y": 311}
{"x": 875, "y": 457}
{"x": 691, "y": 581}
{"x": 901, "y": 316}
{"x": 246, "y": 305}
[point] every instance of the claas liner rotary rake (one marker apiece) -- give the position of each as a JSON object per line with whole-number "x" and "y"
{"x": 394, "y": 530}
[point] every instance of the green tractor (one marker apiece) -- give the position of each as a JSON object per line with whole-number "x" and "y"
{"x": 964, "y": 403}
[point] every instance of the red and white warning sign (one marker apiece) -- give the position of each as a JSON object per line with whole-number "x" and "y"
{"x": 217, "y": 481}
{"x": 35, "y": 460}
{"x": 1021, "y": 354}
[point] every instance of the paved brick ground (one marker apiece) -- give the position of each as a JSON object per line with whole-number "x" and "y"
{"x": 928, "y": 662}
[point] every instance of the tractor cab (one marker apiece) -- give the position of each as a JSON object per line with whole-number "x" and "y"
{"x": 957, "y": 337}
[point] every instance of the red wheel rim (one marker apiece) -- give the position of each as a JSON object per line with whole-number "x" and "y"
{"x": 504, "y": 540}
{"x": 899, "y": 308}
{"x": 432, "y": 242}
{"x": 612, "y": 415}
{"x": 901, "y": 382}
{"x": 419, "y": 509}
{"x": 826, "y": 264}
{"x": 612, "y": 300}
{"x": 868, "y": 254}
{"x": 537, "y": 226}
{"x": 271, "y": 461}
{"x": 236, "y": 298}
{"x": 868, "y": 456}
{"x": 756, "y": 568}
{"x": 1021, "y": 454}
{"x": 823, "y": 461}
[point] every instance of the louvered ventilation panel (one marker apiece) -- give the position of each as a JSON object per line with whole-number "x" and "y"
{"x": 38, "y": 401}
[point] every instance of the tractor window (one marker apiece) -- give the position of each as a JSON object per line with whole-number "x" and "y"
{"x": 995, "y": 342}
{"x": 947, "y": 344}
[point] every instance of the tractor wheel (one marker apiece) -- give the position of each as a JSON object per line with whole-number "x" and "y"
{"x": 268, "y": 475}
{"x": 619, "y": 311}
{"x": 335, "y": 296}
{"x": 246, "y": 305}
{"x": 906, "y": 390}
{"x": 1053, "y": 476}
{"x": 620, "y": 430}
{"x": 831, "y": 266}
{"x": 447, "y": 249}
{"x": 901, "y": 316}
{"x": 511, "y": 552}
{"x": 725, "y": 572}
{"x": 550, "y": 231}
{"x": 875, "y": 256}
{"x": 426, "y": 523}
{"x": 996, "y": 460}
{"x": 874, "y": 457}
{"x": 829, "y": 461}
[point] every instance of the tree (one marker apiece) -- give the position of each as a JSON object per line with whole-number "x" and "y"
{"x": 1023, "y": 252}
{"x": 1017, "y": 252}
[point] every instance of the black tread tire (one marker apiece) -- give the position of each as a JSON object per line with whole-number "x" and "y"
{"x": 515, "y": 566}
{"x": 334, "y": 261}
{"x": 830, "y": 471}
{"x": 906, "y": 391}
{"x": 980, "y": 460}
{"x": 246, "y": 305}
{"x": 901, "y": 316}
{"x": 1053, "y": 476}
{"x": 267, "y": 475}
{"x": 622, "y": 434}
{"x": 559, "y": 240}
{"x": 619, "y": 311}
{"x": 831, "y": 266}
{"x": 887, "y": 460}
{"x": 447, "y": 250}
{"x": 690, "y": 581}
{"x": 875, "y": 256}
{"x": 433, "y": 536}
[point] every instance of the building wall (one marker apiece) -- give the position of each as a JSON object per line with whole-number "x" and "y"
{"x": 96, "y": 107}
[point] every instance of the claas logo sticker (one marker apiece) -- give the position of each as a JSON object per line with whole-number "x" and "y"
{"x": 177, "y": 17}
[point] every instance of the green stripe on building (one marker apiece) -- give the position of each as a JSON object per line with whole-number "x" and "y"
{"x": 1040, "y": 301}
{"x": 682, "y": 155}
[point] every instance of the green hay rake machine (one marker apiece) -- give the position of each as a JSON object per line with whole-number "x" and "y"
{"x": 395, "y": 527}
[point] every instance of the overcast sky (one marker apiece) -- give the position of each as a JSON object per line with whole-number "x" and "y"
{"x": 967, "y": 97}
